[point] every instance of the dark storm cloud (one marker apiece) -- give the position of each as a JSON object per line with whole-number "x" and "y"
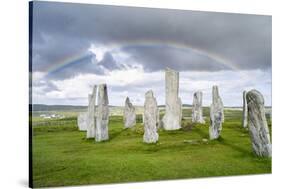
{"x": 74, "y": 68}
{"x": 154, "y": 59}
{"x": 108, "y": 62}
{"x": 45, "y": 87}
{"x": 52, "y": 50}
{"x": 61, "y": 30}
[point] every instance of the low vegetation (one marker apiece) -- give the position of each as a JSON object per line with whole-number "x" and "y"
{"x": 63, "y": 156}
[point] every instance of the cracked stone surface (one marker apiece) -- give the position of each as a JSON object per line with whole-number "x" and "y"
{"x": 173, "y": 110}
{"x": 91, "y": 129}
{"x": 129, "y": 114}
{"x": 245, "y": 110}
{"x": 102, "y": 114}
{"x": 151, "y": 117}
{"x": 216, "y": 114}
{"x": 197, "y": 112}
{"x": 258, "y": 127}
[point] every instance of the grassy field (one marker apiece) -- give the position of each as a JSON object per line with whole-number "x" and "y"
{"x": 62, "y": 156}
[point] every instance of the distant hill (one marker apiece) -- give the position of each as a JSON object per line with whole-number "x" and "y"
{"x": 43, "y": 107}
{"x": 187, "y": 105}
{"x": 184, "y": 105}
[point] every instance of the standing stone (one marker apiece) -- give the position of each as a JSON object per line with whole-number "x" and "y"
{"x": 129, "y": 114}
{"x": 216, "y": 114}
{"x": 197, "y": 113}
{"x": 102, "y": 114}
{"x": 245, "y": 110}
{"x": 159, "y": 123}
{"x": 91, "y": 130}
{"x": 82, "y": 121}
{"x": 150, "y": 118}
{"x": 173, "y": 114}
{"x": 258, "y": 128}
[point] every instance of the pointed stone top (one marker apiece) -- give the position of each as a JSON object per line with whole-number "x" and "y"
{"x": 149, "y": 94}
{"x": 103, "y": 85}
{"x": 197, "y": 92}
{"x": 170, "y": 70}
{"x": 215, "y": 87}
{"x": 254, "y": 96}
{"x": 103, "y": 92}
{"x": 127, "y": 100}
{"x": 215, "y": 92}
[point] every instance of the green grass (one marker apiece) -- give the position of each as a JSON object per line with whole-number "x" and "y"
{"x": 62, "y": 156}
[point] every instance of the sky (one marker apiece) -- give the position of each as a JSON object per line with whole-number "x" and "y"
{"x": 76, "y": 46}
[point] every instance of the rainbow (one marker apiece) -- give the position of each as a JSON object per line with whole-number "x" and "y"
{"x": 78, "y": 57}
{"x": 66, "y": 62}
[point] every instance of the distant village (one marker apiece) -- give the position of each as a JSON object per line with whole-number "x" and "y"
{"x": 50, "y": 116}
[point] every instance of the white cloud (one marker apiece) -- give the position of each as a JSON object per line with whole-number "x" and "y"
{"x": 135, "y": 82}
{"x": 99, "y": 51}
{"x": 37, "y": 77}
{"x": 231, "y": 85}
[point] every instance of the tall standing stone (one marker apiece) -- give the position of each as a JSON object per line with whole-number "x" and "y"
{"x": 216, "y": 114}
{"x": 91, "y": 130}
{"x": 173, "y": 114}
{"x": 245, "y": 110}
{"x": 258, "y": 128}
{"x": 197, "y": 112}
{"x": 129, "y": 114}
{"x": 159, "y": 123}
{"x": 102, "y": 114}
{"x": 150, "y": 118}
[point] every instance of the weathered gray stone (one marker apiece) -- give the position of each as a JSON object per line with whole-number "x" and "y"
{"x": 150, "y": 118}
{"x": 197, "y": 112}
{"x": 258, "y": 127}
{"x": 102, "y": 114}
{"x": 159, "y": 123}
{"x": 245, "y": 110}
{"x": 216, "y": 114}
{"x": 91, "y": 129}
{"x": 129, "y": 114}
{"x": 82, "y": 121}
{"x": 173, "y": 113}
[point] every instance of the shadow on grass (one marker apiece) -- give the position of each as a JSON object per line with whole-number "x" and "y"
{"x": 231, "y": 145}
{"x": 115, "y": 134}
{"x": 150, "y": 148}
{"x": 200, "y": 132}
{"x": 224, "y": 142}
{"x": 89, "y": 139}
{"x": 112, "y": 136}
